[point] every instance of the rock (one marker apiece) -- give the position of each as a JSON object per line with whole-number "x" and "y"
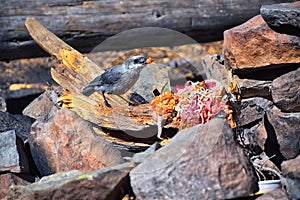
{"x": 286, "y": 91}
{"x": 274, "y": 195}
{"x": 42, "y": 107}
{"x": 254, "y": 138}
{"x": 254, "y": 45}
{"x": 286, "y": 127}
{"x": 201, "y": 162}
{"x": 9, "y": 156}
{"x": 253, "y": 109}
{"x": 152, "y": 77}
{"x": 254, "y": 88}
{"x": 138, "y": 158}
{"x": 106, "y": 183}
{"x": 291, "y": 174}
{"x": 214, "y": 69}
{"x": 2, "y": 104}
{"x": 21, "y": 124}
{"x": 283, "y": 18}
{"x": 67, "y": 142}
{"x": 8, "y": 180}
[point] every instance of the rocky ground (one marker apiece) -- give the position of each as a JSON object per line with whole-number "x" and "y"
{"x": 50, "y": 152}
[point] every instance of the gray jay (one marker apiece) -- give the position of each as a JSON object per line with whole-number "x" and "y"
{"x": 117, "y": 79}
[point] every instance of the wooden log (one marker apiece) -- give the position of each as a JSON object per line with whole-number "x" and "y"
{"x": 75, "y": 72}
{"x": 84, "y": 24}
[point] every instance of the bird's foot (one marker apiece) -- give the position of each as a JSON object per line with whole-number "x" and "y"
{"x": 107, "y": 104}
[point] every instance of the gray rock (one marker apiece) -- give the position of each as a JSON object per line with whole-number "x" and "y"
{"x": 67, "y": 142}
{"x": 2, "y": 104}
{"x": 202, "y": 162}
{"x": 286, "y": 91}
{"x": 8, "y": 180}
{"x": 291, "y": 177}
{"x": 255, "y": 137}
{"x": 283, "y": 18}
{"x": 214, "y": 69}
{"x": 20, "y": 123}
{"x": 253, "y": 109}
{"x": 9, "y": 156}
{"x": 21, "y": 126}
{"x": 287, "y": 129}
{"x": 152, "y": 77}
{"x": 106, "y": 183}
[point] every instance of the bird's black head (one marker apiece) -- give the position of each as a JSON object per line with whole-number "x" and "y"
{"x": 136, "y": 62}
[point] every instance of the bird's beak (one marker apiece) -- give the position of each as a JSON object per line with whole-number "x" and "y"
{"x": 149, "y": 60}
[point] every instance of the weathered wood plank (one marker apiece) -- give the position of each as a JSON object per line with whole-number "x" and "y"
{"x": 84, "y": 24}
{"x": 74, "y": 73}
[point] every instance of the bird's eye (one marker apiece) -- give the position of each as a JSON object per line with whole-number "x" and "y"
{"x": 135, "y": 61}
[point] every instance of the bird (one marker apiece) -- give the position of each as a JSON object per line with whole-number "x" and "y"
{"x": 118, "y": 79}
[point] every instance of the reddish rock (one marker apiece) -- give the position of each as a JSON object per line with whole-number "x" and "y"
{"x": 66, "y": 142}
{"x": 291, "y": 168}
{"x": 201, "y": 162}
{"x": 253, "y": 45}
{"x": 8, "y": 180}
{"x": 291, "y": 174}
{"x": 286, "y": 91}
{"x": 42, "y": 107}
{"x": 283, "y": 17}
{"x": 287, "y": 129}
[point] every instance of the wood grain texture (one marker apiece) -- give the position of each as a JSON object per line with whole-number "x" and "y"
{"x": 84, "y": 24}
{"x": 74, "y": 73}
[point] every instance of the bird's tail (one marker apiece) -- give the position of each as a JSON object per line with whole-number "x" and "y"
{"x": 88, "y": 91}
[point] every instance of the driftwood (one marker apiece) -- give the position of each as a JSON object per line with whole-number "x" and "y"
{"x": 75, "y": 72}
{"x": 84, "y": 24}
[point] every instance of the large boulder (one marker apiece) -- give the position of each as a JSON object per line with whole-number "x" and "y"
{"x": 66, "y": 142}
{"x": 202, "y": 162}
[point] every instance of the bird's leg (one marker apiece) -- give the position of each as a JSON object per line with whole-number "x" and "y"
{"x": 105, "y": 100}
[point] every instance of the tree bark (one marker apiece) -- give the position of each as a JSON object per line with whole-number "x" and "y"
{"x": 84, "y": 24}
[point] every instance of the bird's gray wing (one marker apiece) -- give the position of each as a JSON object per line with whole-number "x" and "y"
{"x": 109, "y": 77}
